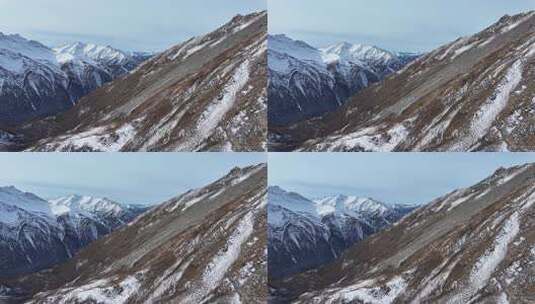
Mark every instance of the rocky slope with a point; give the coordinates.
(474, 94)
(36, 81)
(206, 94)
(36, 234)
(305, 82)
(304, 234)
(473, 245)
(205, 246)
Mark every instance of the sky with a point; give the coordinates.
(412, 25)
(414, 178)
(129, 178)
(142, 25)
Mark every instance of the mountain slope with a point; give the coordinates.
(305, 82)
(208, 93)
(204, 246)
(36, 81)
(36, 234)
(473, 245)
(474, 94)
(304, 234)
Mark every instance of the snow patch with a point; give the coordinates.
(217, 269)
(491, 108)
(373, 295)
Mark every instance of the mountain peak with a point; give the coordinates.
(91, 53)
(360, 53)
(290, 200)
(27, 201)
(345, 204)
(82, 203)
(9, 188)
(298, 49)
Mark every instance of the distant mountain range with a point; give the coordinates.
(36, 234)
(473, 94)
(306, 82)
(37, 81)
(304, 234)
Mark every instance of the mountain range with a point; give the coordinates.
(205, 94)
(207, 245)
(473, 94)
(37, 81)
(304, 234)
(36, 234)
(473, 245)
(306, 82)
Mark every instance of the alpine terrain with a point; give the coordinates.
(205, 94)
(474, 94)
(36, 234)
(207, 245)
(305, 234)
(474, 245)
(37, 81)
(305, 82)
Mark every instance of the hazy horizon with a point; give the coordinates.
(413, 178)
(128, 178)
(129, 25)
(415, 26)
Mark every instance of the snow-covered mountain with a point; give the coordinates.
(37, 81)
(305, 81)
(205, 94)
(110, 213)
(473, 245)
(90, 66)
(207, 245)
(304, 234)
(35, 233)
(473, 94)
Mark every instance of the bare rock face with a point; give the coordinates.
(474, 94)
(207, 245)
(473, 245)
(206, 94)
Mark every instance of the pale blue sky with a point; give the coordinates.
(411, 25)
(390, 177)
(149, 25)
(140, 178)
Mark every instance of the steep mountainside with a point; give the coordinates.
(208, 93)
(473, 245)
(204, 246)
(474, 94)
(305, 82)
(36, 81)
(35, 234)
(304, 234)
